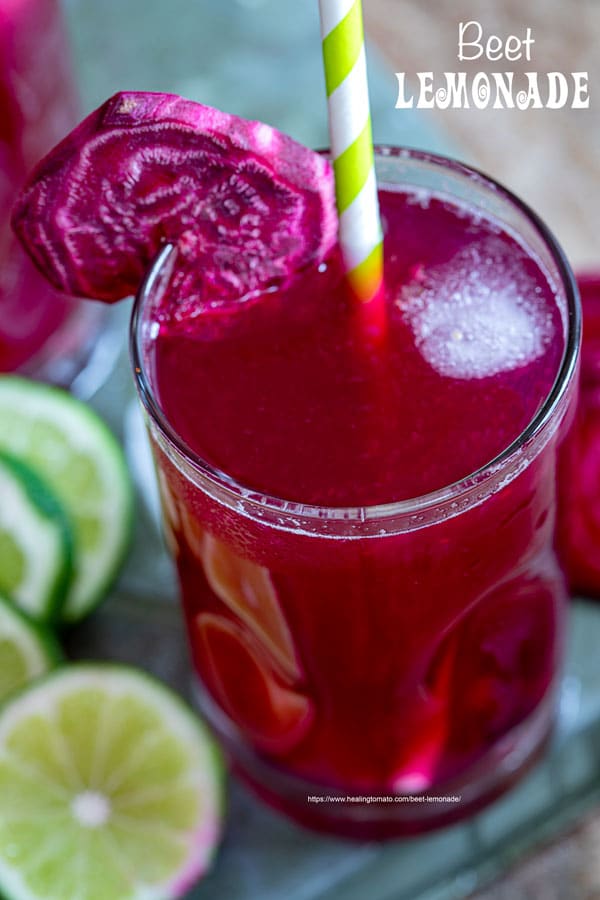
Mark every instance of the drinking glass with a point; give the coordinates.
(384, 670)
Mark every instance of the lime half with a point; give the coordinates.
(35, 542)
(26, 650)
(110, 789)
(79, 458)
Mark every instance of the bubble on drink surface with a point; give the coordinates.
(479, 314)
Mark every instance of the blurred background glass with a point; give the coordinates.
(41, 331)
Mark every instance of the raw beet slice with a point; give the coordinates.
(246, 205)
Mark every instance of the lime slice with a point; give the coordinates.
(77, 455)
(110, 789)
(26, 650)
(35, 542)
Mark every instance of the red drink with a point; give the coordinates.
(347, 647)
(37, 106)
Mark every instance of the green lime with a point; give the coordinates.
(26, 650)
(72, 449)
(35, 542)
(110, 789)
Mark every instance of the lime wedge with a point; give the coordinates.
(66, 443)
(35, 542)
(110, 789)
(26, 650)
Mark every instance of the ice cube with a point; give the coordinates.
(478, 314)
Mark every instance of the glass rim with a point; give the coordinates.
(394, 508)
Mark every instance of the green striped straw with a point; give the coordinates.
(351, 139)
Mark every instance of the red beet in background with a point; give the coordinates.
(579, 523)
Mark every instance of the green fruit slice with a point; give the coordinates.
(35, 542)
(76, 454)
(26, 650)
(110, 789)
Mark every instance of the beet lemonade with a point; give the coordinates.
(348, 648)
(360, 497)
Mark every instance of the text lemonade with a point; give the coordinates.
(500, 90)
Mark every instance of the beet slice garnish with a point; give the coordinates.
(246, 205)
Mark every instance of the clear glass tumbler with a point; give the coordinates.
(382, 670)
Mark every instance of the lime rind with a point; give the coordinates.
(37, 525)
(125, 803)
(27, 650)
(77, 454)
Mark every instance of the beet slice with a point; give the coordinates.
(246, 205)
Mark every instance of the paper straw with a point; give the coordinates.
(351, 139)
